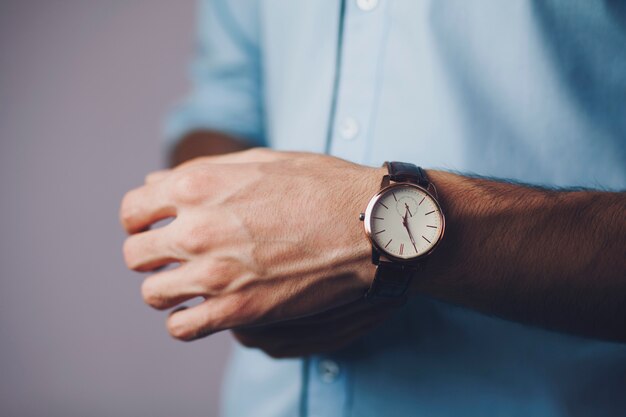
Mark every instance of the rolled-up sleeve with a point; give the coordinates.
(225, 73)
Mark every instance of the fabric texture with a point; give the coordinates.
(533, 91)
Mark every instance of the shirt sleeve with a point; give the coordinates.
(225, 73)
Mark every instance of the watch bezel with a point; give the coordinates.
(367, 222)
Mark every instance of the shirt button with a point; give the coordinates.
(328, 370)
(367, 5)
(349, 128)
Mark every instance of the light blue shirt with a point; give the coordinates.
(527, 90)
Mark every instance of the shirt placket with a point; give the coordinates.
(363, 38)
(327, 387)
(364, 35)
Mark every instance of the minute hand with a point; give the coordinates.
(405, 223)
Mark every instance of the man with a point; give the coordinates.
(521, 307)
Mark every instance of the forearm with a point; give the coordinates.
(555, 259)
(205, 143)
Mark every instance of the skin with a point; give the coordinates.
(317, 333)
(272, 242)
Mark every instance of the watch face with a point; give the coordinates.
(404, 221)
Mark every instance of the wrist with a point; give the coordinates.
(369, 185)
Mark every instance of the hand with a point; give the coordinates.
(324, 332)
(262, 236)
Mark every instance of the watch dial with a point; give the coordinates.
(405, 222)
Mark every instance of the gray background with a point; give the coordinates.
(84, 87)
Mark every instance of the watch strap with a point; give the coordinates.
(390, 281)
(406, 172)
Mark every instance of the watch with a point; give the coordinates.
(404, 223)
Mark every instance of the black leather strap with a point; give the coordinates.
(405, 172)
(391, 281)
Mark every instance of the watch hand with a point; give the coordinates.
(407, 209)
(405, 223)
(412, 239)
(404, 219)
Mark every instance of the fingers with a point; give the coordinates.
(148, 250)
(169, 288)
(144, 206)
(225, 312)
(165, 189)
(211, 316)
(193, 279)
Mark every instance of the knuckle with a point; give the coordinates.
(229, 316)
(151, 294)
(194, 240)
(129, 252)
(236, 307)
(177, 330)
(238, 310)
(250, 308)
(127, 212)
(217, 277)
(188, 186)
